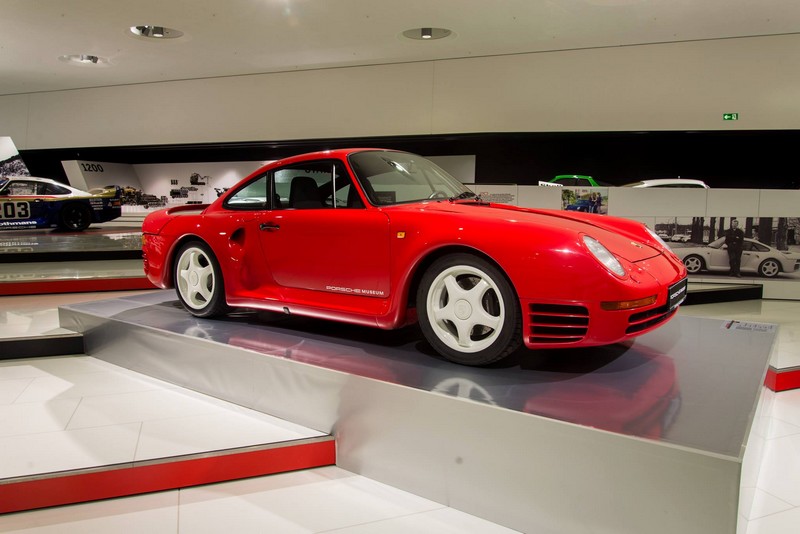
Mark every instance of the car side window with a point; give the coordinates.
(53, 189)
(253, 195)
(22, 188)
(315, 185)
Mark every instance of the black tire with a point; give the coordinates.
(484, 325)
(75, 217)
(694, 263)
(198, 280)
(769, 268)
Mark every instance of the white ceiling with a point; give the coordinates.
(235, 37)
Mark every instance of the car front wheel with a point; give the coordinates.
(694, 264)
(468, 311)
(198, 281)
(769, 268)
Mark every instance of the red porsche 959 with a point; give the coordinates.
(386, 238)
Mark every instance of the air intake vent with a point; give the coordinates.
(648, 319)
(556, 323)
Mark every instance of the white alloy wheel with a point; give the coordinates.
(466, 308)
(769, 268)
(694, 264)
(198, 281)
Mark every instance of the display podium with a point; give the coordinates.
(662, 434)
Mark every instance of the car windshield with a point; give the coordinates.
(399, 177)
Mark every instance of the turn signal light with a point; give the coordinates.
(628, 304)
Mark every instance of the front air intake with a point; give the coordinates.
(641, 321)
(558, 323)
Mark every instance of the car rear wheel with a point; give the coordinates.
(694, 264)
(769, 268)
(468, 311)
(198, 281)
(75, 217)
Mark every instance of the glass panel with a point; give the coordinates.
(251, 196)
(397, 177)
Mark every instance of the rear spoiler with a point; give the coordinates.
(187, 207)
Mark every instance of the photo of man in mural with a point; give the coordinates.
(734, 239)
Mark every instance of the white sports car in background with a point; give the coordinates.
(670, 182)
(756, 258)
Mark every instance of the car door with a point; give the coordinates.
(752, 254)
(716, 256)
(322, 245)
(19, 205)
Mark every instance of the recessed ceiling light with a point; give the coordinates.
(84, 59)
(427, 34)
(156, 32)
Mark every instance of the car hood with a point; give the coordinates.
(625, 238)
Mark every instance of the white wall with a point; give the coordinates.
(156, 177)
(88, 175)
(680, 86)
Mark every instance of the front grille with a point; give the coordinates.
(648, 319)
(558, 323)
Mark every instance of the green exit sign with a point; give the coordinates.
(730, 116)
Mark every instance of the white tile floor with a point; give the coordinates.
(68, 403)
(94, 413)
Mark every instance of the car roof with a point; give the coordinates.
(45, 180)
(669, 182)
(338, 153)
(35, 178)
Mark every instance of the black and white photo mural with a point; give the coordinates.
(749, 247)
(11, 163)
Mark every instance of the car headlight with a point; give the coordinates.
(657, 238)
(602, 255)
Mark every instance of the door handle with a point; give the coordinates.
(268, 227)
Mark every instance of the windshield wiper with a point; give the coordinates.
(465, 195)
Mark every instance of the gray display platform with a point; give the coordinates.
(662, 434)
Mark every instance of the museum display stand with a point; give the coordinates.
(658, 435)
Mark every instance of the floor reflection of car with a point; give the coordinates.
(635, 391)
(639, 398)
(756, 258)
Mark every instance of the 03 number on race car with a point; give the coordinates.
(15, 210)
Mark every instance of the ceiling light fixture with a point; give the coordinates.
(427, 34)
(155, 32)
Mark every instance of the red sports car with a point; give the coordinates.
(386, 238)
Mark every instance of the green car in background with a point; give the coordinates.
(575, 180)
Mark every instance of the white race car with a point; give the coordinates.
(670, 182)
(30, 202)
(756, 258)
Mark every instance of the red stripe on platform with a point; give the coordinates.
(74, 286)
(782, 380)
(133, 480)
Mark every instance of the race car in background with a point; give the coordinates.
(30, 202)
